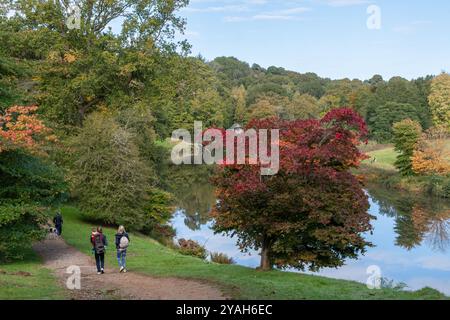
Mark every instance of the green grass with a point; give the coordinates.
(27, 279)
(146, 256)
(384, 159)
(382, 171)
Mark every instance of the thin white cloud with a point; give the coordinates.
(284, 14)
(235, 19)
(259, 17)
(291, 11)
(421, 22)
(346, 3)
(256, 2)
(228, 8)
(411, 27)
(225, 6)
(438, 262)
(272, 17)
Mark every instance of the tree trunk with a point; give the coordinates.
(266, 263)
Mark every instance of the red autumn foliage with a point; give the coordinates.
(20, 128)
(313, 212)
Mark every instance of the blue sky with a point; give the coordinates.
(329, 37)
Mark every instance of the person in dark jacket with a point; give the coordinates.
(99, 242)
(122, 241)
(58, 221)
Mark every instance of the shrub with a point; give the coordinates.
(19, 227)
(221, 258)
(192, 248)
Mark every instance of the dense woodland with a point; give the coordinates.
(109, 100)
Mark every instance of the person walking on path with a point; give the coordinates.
(122, 242)
(58, 221)
(99, 242)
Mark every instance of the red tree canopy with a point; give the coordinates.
(314, 211)
(20, 128)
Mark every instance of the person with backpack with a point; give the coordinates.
(94, 231)
(99, 242)
(58, 221)
(122, 242)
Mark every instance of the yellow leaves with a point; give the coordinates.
(127, 69)
(103, 108)
(54, 56)
(69, 57)
(429, 162)
(59, 57)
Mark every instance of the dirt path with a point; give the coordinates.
(58, 256)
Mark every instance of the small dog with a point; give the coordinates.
(53, 234)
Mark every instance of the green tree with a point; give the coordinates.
(239, 96)
(329, 102)
(439, 100)
(231, 71)
(108, 177)
(29, 181)
(79, 71)
(406, 135)
(394, 101)
(310, 83)
(267, 106)
(29, 185)
(383, 118)
(302, 106)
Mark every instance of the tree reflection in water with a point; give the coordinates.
(417, 220)
(193, 192)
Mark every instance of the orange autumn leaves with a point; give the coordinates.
(20, 128)
(432, 155)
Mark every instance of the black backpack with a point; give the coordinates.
(98, 243)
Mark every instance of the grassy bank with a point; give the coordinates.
(149, 257)
(27, 279)
(380, 169)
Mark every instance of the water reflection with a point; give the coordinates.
(417, 220)
(193, 192)
(411, 235)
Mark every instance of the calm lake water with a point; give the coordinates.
(411, 236)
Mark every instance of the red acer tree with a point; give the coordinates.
(312, 213)
(20, 128)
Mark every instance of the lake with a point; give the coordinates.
(411, 235)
